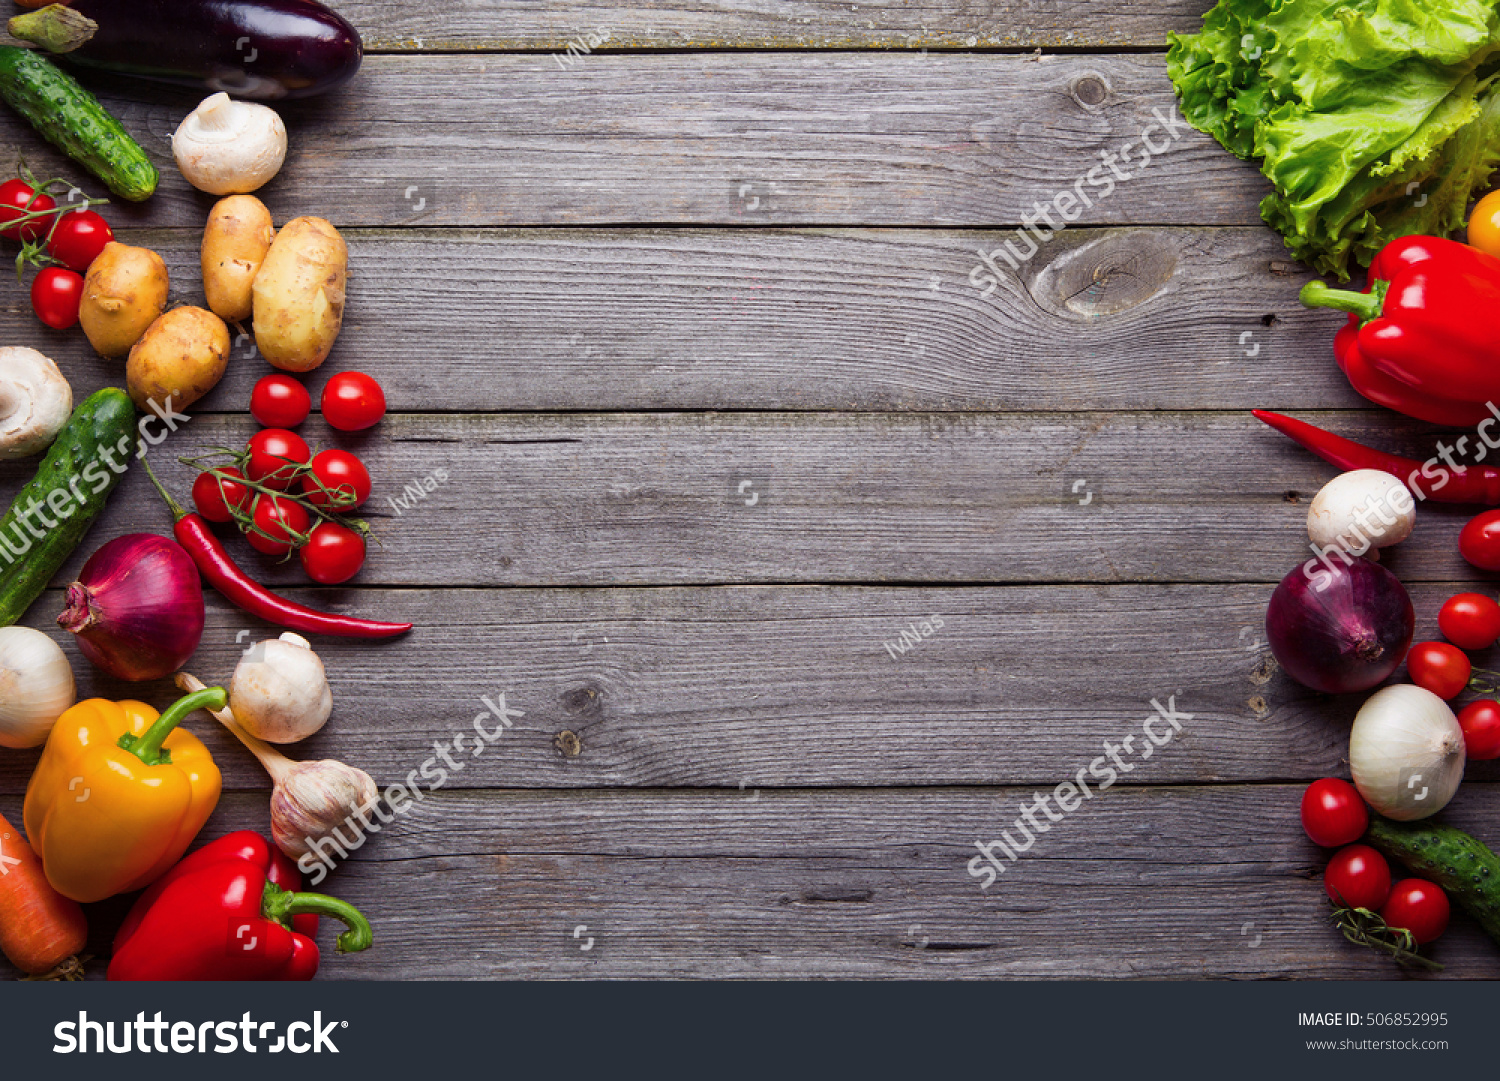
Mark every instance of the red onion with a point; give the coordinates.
(137, 607)
(1347, 636)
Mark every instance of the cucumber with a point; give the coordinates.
(100, 431)
(1459, 863)
(71, 119)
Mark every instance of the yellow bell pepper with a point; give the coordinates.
(119, 794)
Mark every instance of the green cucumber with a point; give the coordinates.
(86, 461)
(1461, 864)
(71, 119)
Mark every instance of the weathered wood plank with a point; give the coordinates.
(389, 25)
(1168, 883)
(1165, 318)
(747, 688)
(673, 498)
(760, 139)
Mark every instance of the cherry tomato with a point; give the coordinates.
(209, 497)
(55, 296)
(342, 476)
(78, 238)
(1333, 813)
(1470, 620)
(333, 554)
(16, 198)
(279, 401)
(1439, 667)
(1479, 542)
(274, 455)
(1418, 906)
(286, 523)
(1358, 877)
(1484, 224)
(1481, 724)
(352, 400)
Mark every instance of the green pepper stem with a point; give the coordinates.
(280, 905)
(148, 747)
(1316, 294)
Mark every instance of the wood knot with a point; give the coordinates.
(568, 743)
(582, 701)
(1090, 91)
(1107, 275)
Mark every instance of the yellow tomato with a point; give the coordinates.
(1484, 224)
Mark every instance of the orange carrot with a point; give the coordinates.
(41, 931)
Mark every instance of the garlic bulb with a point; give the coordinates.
(1360, 510)
(313, 798)
(280, 692)
(228, 147)
(36, 686)
(1406, 752)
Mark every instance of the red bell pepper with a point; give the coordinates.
(233, 910)
(1420, 339)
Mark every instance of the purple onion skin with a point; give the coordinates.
(137, 607)
(1346, 637)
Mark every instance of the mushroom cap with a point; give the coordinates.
(35, 401)
(228, 147)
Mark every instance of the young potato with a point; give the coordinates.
(123, 293)
(299, 295)
(235, 242)
(181, 356)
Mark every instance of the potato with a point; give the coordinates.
(299, 295)
(181, 356)
(235, 241)
(123, 293)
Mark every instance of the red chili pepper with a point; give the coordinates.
(1420, 338)
(233, 910)
(221, 572)
(1465, 484)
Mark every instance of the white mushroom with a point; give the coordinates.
(35, 401)
(228, 147)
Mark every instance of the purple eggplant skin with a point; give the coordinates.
(264, 50)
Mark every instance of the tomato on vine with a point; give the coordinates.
(18, 198)
(338, 481)
(1358, 877)
(1333, 813)
(1418, 906)
(215, 491)
(333, 554)
(276, 456)
(279, 525)
(78, 238)
(55, 297)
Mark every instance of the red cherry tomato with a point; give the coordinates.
(1470, 620)
(1418, 906)
(345, 481)
(16, 198)
(279, 401)
(352, 400)
(1438, 667)
(55, 296)
(1481, 724)
(1479, 542)
(280, 525)
(209, 497)
(78, 238)
(275, 454)
(1358, 877)
(333, 554)
(1333, 813)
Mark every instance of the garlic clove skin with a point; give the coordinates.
(228, 147)
(280, 692)
(315, 798)
(36, 686)
(35, 402)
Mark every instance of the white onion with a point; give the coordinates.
(1387, 509)
(36, 686)
(1406, 752)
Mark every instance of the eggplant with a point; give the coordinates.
(259, 49)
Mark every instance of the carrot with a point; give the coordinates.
(41, 931)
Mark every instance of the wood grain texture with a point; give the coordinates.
(592, 319)
(744, 688)
(1161, 883)
(657, 498)
(389, 25)
(762, 139)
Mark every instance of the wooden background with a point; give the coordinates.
(734, 245)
